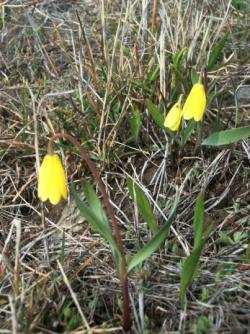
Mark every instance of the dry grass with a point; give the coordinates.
(84, 67)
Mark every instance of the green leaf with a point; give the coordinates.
(194, 76)
(189, 269)
(198, 219)
(227, 136)
(94, 202)
(155, 114)
(155, 242)
(187, 132)
(190, 265)
(135, 124)
(239, 4)
(239, 235)
(98, 224)
(225, 238)
(152, 76)
(216, 52)
(143, 204)
(179, 57)
(212, 96)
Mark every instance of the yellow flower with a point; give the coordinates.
(173, 118)
(195, 104)
(52, 184)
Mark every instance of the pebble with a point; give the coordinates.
(243, 93)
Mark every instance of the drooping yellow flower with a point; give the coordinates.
(52, 184)
(173, 118)
(195, 104)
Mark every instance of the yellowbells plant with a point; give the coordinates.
(52, 184)
(173, 118)
(195, 104)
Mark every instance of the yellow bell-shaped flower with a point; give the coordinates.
(195, 104)
(52, 184)
(173, 118)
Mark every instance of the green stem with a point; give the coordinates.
(199, 136)
(115, 226)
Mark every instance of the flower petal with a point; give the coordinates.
(52, 183)
(43, 185)
(173, 118)
(195, 104)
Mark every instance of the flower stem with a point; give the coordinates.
(115, 226)
(202, 75)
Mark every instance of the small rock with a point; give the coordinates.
(243, 93)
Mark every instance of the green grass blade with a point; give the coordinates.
(155, 242)
(227, 136)
(198, 219)
(135, 124)
(143, 205)
(179, 58)
(189, 269)
(155, 113)
(216, 53)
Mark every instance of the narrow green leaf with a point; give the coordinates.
(198, 219)
(225, 238)
(194, 76)
(187, 132)
(135, 124)
(155, 114)
(190, 265)
(179, 57)
(227, 136)
(155, 242)
(216, 52)
(152, 76)
(189, 269)
(94, 202)
(211, 97)
(143, 204)
(97, 224)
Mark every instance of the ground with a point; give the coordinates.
(89, 68)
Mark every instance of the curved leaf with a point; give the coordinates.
(155, 113)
